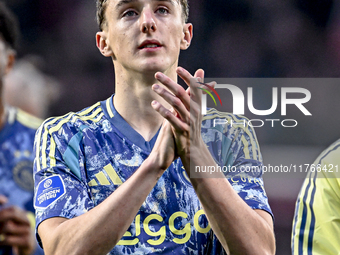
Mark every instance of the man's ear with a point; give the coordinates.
(10, 61)
(102, 45)
(187, 37)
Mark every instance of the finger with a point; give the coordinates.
(169, 116)
(188, 91)
(199, 74)
(185, 75)
(192, 82)
(174, 101)
(3, 199)
(209, 86)
(175, 88)
(188, 78)
(12, 228)
(17, 241)
(15, 214)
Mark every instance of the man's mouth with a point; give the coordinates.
(150, 44)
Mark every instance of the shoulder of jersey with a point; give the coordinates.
(24, 118)
(335, 145)
(93, 113)
(212, 113)
(332, 151)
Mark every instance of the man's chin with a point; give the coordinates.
(156, 66)
(152, 68)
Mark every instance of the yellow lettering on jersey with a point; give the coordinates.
(185, 231)
(196, 224)
(232, 179)
(257, 181)
(186, 176)
(128, 242)
(161, 232)
(113, 174)
(127, 233)
(137, 223)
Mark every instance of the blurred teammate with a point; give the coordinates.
(113, 178)
(316, 225)
(39, 89)
(17, 131)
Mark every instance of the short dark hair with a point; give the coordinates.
(101, 7)
(9, 30)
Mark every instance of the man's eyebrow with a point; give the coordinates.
(122, 2)
(170, 1)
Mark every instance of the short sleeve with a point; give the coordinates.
(246, 171)
(60, 182)
(235, 149)
(316, 227)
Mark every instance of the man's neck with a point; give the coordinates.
(132, 100)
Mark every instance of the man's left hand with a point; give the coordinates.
(15, 229)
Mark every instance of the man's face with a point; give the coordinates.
(7, 58)
(146, 35)
(3, 58)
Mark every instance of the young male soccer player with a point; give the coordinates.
(17, 131)
(113, 178)
(316, 226)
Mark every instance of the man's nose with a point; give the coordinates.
(148, 23)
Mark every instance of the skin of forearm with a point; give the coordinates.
(240, 229)
(101, 228)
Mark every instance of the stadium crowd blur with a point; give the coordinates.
(232, 38)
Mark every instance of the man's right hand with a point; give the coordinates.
(163, 152)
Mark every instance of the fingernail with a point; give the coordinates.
(155, 86)
(159, 75)
(154, 102)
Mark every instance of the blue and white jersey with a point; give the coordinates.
(83, 157)
(16, 160)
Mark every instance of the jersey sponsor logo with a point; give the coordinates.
(23, 175)
(49, 191)
(158, 237)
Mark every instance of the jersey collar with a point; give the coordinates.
(124, 128)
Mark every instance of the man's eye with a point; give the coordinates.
(162, 10)
(129, 13)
